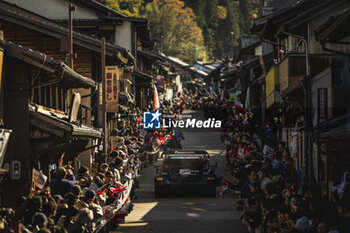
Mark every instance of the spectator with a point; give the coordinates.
(60, 185)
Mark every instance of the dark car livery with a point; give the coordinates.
(185, 169)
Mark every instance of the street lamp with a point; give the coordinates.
(306, 54)
(306, 88)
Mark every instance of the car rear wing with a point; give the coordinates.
(194, 152)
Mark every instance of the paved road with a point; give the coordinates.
(186, 214)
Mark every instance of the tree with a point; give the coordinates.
(174, 28)
(246, 19)
(219, 20)
(219, 24)
(128, 7)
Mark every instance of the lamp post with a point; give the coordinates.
(306, 55)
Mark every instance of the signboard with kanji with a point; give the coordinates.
(112, 88)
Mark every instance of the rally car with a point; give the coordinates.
(185, 170)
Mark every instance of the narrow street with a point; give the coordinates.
(88, 92)
(186, 214)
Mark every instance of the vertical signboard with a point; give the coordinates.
(112, 88)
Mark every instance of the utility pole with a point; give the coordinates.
(71, 8)
(103, 77)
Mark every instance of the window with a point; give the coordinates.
(52, 96)
(322, 104)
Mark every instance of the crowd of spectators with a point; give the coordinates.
(273, 198)
(81, 199)
(96, 199)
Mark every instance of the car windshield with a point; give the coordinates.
(183, 162)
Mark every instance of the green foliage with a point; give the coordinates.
(174, 28)
(128, 7)
(224, 22)
(220, 22)
(186, 28)
(246, 18)
(222, 12)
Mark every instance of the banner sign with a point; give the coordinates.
(232, 96)
(111, 88)
(155, 98)
(169, 94)
(4, 138)
(39, 179)
(119, 205)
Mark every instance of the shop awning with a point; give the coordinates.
(341, 132)
(143, 76)
(292, 88)
(125, 98)
(57, 125)
(62, 73)
(85, 131)
(335, 28)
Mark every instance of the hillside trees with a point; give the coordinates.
(190, 29)
(128, 7)
(175, 30)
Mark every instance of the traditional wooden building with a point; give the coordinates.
(311, 63)
(47, 121)
(41, 134)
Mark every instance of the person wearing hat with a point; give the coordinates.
(302, 224)
(88, 202)
(39, 220)
(104, 168)
(116, 168)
